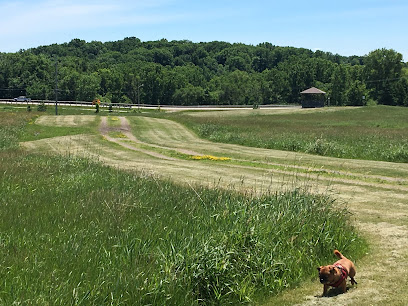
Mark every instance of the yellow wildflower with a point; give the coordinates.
(209, 157)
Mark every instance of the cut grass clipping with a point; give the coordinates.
(74, 232)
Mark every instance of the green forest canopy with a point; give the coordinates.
(207, 73)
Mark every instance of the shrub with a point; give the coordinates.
(42, 107)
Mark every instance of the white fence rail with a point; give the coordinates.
(132, 106)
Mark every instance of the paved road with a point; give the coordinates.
(145, 106)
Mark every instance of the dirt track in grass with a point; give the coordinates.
(375, 192)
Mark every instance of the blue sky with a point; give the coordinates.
(344, 27)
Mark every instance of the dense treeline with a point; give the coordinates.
(187, 73)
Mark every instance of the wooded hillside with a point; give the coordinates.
(212, 73)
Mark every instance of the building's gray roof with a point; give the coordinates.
(313, 90)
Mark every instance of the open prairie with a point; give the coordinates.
(375, 192)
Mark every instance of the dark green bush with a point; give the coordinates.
(42, 107)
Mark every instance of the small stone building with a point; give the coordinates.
(313, 97)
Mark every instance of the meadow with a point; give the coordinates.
(368, 133)
(75, 231)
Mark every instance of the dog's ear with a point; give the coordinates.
(318, 269)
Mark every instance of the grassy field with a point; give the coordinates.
(371, 133)
(164, 168)
(76, 232)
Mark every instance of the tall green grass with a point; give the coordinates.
(76, 232)
(12, 125)
(370, 133)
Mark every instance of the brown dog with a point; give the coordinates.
(335, 275)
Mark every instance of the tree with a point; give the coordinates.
(40, 91)
(68, 82)
(190, 95)
(275, 89)
(237, 63)
(151, 77)
(235, 88)
(383, 66)
(162, 57)
(340, 83)
(112, 83)
(133, 87)
(263, 59)
(400, 92)
(214, 73)
(88, 87)
(357, 93)
(300, 74)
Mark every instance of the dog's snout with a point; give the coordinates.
(323, 279)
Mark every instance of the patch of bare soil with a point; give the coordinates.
(376, 193)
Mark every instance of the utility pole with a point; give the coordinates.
(56, 85)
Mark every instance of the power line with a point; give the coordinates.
(382, 80)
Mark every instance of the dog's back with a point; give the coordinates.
(347, 264)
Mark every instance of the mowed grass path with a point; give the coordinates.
(376, 192)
